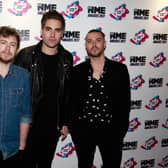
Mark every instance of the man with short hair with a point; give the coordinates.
(15, 101)
(99, 104)
(49, 64)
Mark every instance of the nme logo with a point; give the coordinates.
(72, 10)
(20, 7)
(154, 103)
(139, 37)
(71, 36)
(166, 103)
(43, 7)
(136, 104)
(164, 162)
(133, 125)
(24, 34)
(155, 82)
(118, 57)
(130, 145)
(130, 163)
(151, 124)
(148, 163)
(137, 82)
(161, 15)
(158, 60)
(66, 150)
(116, 37)
(164, 143)
(94, 11)
(141, 14)
(120, 12)
(160, 38)
(165, 125)
(150, 143)
(137, 60)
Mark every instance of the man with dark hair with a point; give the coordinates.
(99, 104)
(49, 64)
(15, 101)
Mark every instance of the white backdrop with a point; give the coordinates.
(137, 35)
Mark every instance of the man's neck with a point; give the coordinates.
(4, 69)
(97, 62)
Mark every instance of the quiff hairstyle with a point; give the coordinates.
(53, 15)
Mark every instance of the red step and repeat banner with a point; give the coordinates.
(137, 35)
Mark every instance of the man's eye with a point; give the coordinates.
(13, 45)
(2, 42)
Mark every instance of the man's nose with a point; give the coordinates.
(52, 33)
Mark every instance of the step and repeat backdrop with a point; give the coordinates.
(137, 35)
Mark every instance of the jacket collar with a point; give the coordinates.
(39, 47)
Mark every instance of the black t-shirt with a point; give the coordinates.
(47, 113)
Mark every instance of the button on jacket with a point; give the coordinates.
(15, 108)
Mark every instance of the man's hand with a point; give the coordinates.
(64, 132)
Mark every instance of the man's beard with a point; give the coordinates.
(94, 55)
(7, 61)
(98, 54)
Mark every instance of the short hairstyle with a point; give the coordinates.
(52, 15)
(6, 31)
(97, 31)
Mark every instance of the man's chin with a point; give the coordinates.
(94, 55)
(52, 45)
(6, 61)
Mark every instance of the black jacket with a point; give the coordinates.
(117, 87)
(30, 58)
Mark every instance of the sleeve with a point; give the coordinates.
(125, 99)
(26, 102)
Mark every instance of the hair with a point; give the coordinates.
(97, 31)
(52, 15)
(6, 31)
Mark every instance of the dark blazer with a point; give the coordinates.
(117, 87)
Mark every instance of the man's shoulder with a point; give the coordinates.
(20, 70)
(115, 64)
(81, 67)
(28, 49)
(65, 51)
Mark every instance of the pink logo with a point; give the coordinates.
(20, 7)
(137, 82)
(72, 10)
(165, 125)
(154, 103)
(66, 150)
(150, 143)
(118, 57)
(37, 38)
(133, 125)
(158, 60)
(75, 57)
(164, 162)
(161, 15)
(130, 163)
(93, 166)
(120, 12)
(139, 37)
